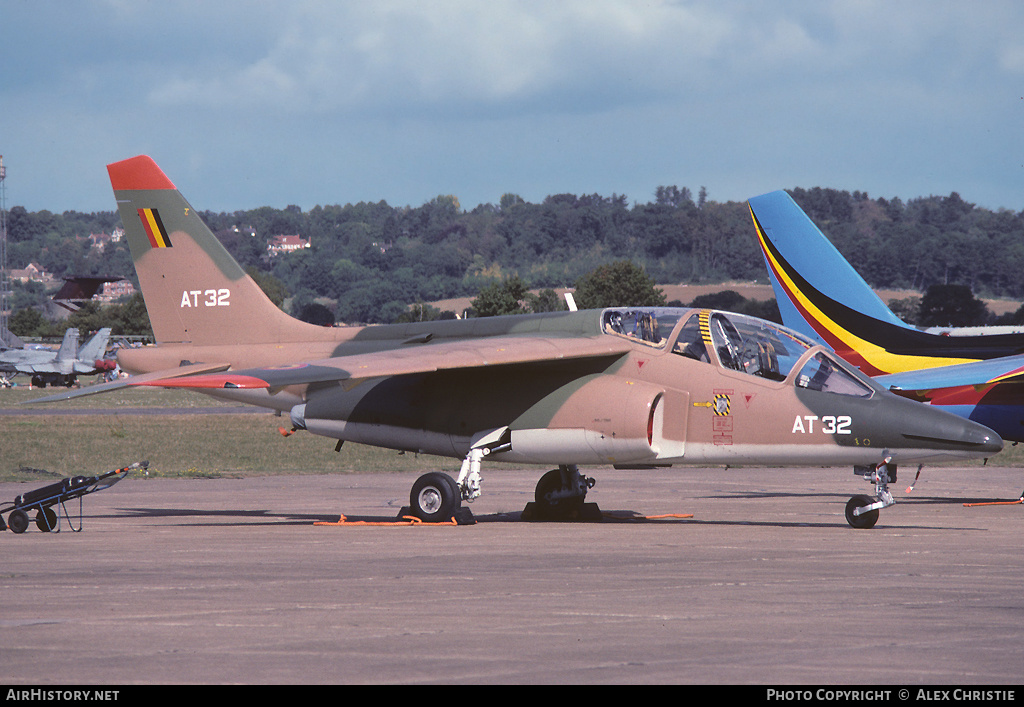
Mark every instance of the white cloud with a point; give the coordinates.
(372, 55)
(1011, 59)
(402, 100)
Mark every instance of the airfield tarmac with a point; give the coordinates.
(221, 581)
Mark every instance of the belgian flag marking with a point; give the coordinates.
(154, 228)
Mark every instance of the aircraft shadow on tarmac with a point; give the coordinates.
(230, 517)
(267, 517)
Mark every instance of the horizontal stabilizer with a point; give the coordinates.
(997, 370)
(192, 369)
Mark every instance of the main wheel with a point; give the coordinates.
(435, 497)
(18, 521)
(46, 520)
(552, 483)
(865, 520)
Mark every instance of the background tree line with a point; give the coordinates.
(369, 262)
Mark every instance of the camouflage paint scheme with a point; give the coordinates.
(624, 386)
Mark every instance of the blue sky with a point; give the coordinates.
(247, 104)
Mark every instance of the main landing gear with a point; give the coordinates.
(560, 495)
(862, 511)
(437, 498)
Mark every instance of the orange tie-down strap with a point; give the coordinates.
(996, 503)
(639, 518)
(413, 520)
(405, 520)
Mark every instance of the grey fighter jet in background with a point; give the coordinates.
(60, 367)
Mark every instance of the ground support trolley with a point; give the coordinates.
(49, 501)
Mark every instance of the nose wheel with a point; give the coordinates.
(857, 516)
(862, 511)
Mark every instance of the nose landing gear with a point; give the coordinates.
(862, 511)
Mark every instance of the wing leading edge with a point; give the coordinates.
(425, 358)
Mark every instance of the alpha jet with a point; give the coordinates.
(627, 386)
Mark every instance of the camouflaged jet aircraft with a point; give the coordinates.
(628, 386)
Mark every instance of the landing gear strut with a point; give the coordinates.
(862, 511)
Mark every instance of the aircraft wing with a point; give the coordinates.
(415, 358)
(977, 373)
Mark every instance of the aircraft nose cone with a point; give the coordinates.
(987, 440)
(939, 428)
(981, 438)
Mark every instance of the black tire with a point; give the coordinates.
(46, 520)
(18, 521)
(551, 482)
(456, 490)
(867, 520)
(434, 498)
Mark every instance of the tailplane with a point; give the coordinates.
(195, 292)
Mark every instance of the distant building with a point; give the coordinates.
(33, 273)
(115, 290)
(99, 241)
(286, 244)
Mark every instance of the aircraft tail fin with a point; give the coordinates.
(10, 340)
(820, 294)
(95, 347)
(807, 271)
(195, 292)
(69, 346)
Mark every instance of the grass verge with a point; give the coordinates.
(187, 444)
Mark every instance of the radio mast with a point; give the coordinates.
(5, 282)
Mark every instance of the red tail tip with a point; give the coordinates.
(138, 173)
